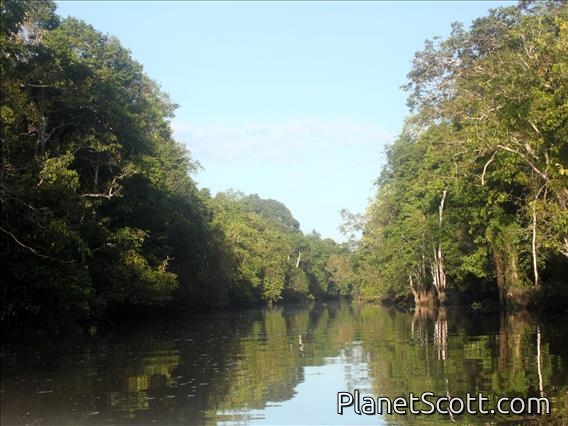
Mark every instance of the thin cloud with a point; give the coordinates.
(276, 143)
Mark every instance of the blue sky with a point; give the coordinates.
(290, 100)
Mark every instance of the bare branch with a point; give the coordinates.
(534, 127)
(41, 86)
(530, 163)
(43, 256)
(103, 247)
(441, 207)
(97, 195)
(485, 168)
(108, 194)
(52, 131)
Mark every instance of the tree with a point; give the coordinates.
(478, 176)
(96, 197)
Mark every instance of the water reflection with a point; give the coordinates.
(284, 365)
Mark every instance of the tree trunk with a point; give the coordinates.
(534, 242)
(500, 271)
(42, 134)
(438, 272)
(509, 282)
(439, 276)
(534, 248)
(96, 177)
(424, 297)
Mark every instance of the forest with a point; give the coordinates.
(100, 217)
(472, 202)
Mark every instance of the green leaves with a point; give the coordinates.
(490, 129)
(56, 173)
(97, 208)
(272, 258)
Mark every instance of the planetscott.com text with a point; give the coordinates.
(428, 403)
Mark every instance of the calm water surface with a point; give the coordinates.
(285, 365)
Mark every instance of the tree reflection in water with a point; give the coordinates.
(230, 366)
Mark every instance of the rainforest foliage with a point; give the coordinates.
(473, 200)
(99, 214)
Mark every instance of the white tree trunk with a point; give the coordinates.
(534, 248)
(438, 273)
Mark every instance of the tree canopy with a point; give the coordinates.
(99, 213)
(473, 198)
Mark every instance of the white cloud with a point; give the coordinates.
(276, 143)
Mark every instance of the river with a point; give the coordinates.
(286, 365)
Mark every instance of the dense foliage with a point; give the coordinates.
(99, 214)
(271, 258)
(474, 196)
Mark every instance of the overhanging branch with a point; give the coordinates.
(32, 250)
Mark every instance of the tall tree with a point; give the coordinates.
(480, 175)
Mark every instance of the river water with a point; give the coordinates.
(285, 365)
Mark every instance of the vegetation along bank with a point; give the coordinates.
(99, 214)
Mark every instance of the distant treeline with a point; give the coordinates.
(473, 201)
(99, 214)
